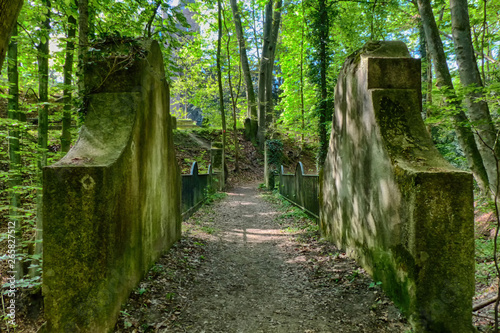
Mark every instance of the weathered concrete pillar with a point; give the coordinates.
(216, 161)
(251, 128)
(216, 156)
(248, 129)
(391, 200)
(112, 204)
(273, 151)
(174, 122)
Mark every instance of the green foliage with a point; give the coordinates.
(374, 284)
(213, 196)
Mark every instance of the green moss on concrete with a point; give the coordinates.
(391, 200)
(112, 204)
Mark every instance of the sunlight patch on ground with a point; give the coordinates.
(256, 235)
(235, 194)
(242, 203)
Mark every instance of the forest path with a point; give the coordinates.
(254, 276)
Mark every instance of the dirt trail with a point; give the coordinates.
(255, 277)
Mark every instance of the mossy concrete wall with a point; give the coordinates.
(390, 199)
(112, 205)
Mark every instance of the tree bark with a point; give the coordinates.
(302, 109)
(43, 127)
(252, 107)
(83, 42)
(221, 96)
(443, 82)
(270, 66)
(68, 74)
(14, 148)
(270, 37)
(234, 97)
(470, 78)
(264, 61)
(9, 10)
(323, 58)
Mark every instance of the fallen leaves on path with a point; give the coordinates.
(249, 264)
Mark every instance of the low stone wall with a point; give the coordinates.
(390, 199)
(301, 189)
(195, 188)
(111, 206)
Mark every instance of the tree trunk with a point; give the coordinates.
(221, 96)
(252, 107)
(263, 71)
(443, 81)
(14, 148)
(323, 58)
(270, 66)
(422, 49)
(43, 126)
(302, 110)
(68, 73)
(234, 97)
(470, 78)
(83, 42)
(9, 10)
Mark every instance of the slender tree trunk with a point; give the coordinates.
(422, 49)
(221, 95)
(429, 82)
(234, 99)
(9, 10)
(471, 78)
(43, 128)
(443, 81)
(252, 106)
(302, 109)
(485, 24)
(68, 73)
(263, 71)
(372, 24)
(149, 31)
(270, 66)
(256, 40)
(323, 56)
(83, 42)
(14, 148)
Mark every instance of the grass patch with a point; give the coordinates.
(292, 218)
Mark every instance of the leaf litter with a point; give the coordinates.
(246, 264)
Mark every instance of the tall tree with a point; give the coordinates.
(83, 42)
(14, 148)
(43, 125)
(443, 81)
(264, 60)
(471, 79)
(302, 104)
(320, 22)
(252, 106)
(270, 65)
(221, 95)
(68, 77)
(270, 37)
(9, 10)
(234, 96)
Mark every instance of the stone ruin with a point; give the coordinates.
(390, 199)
